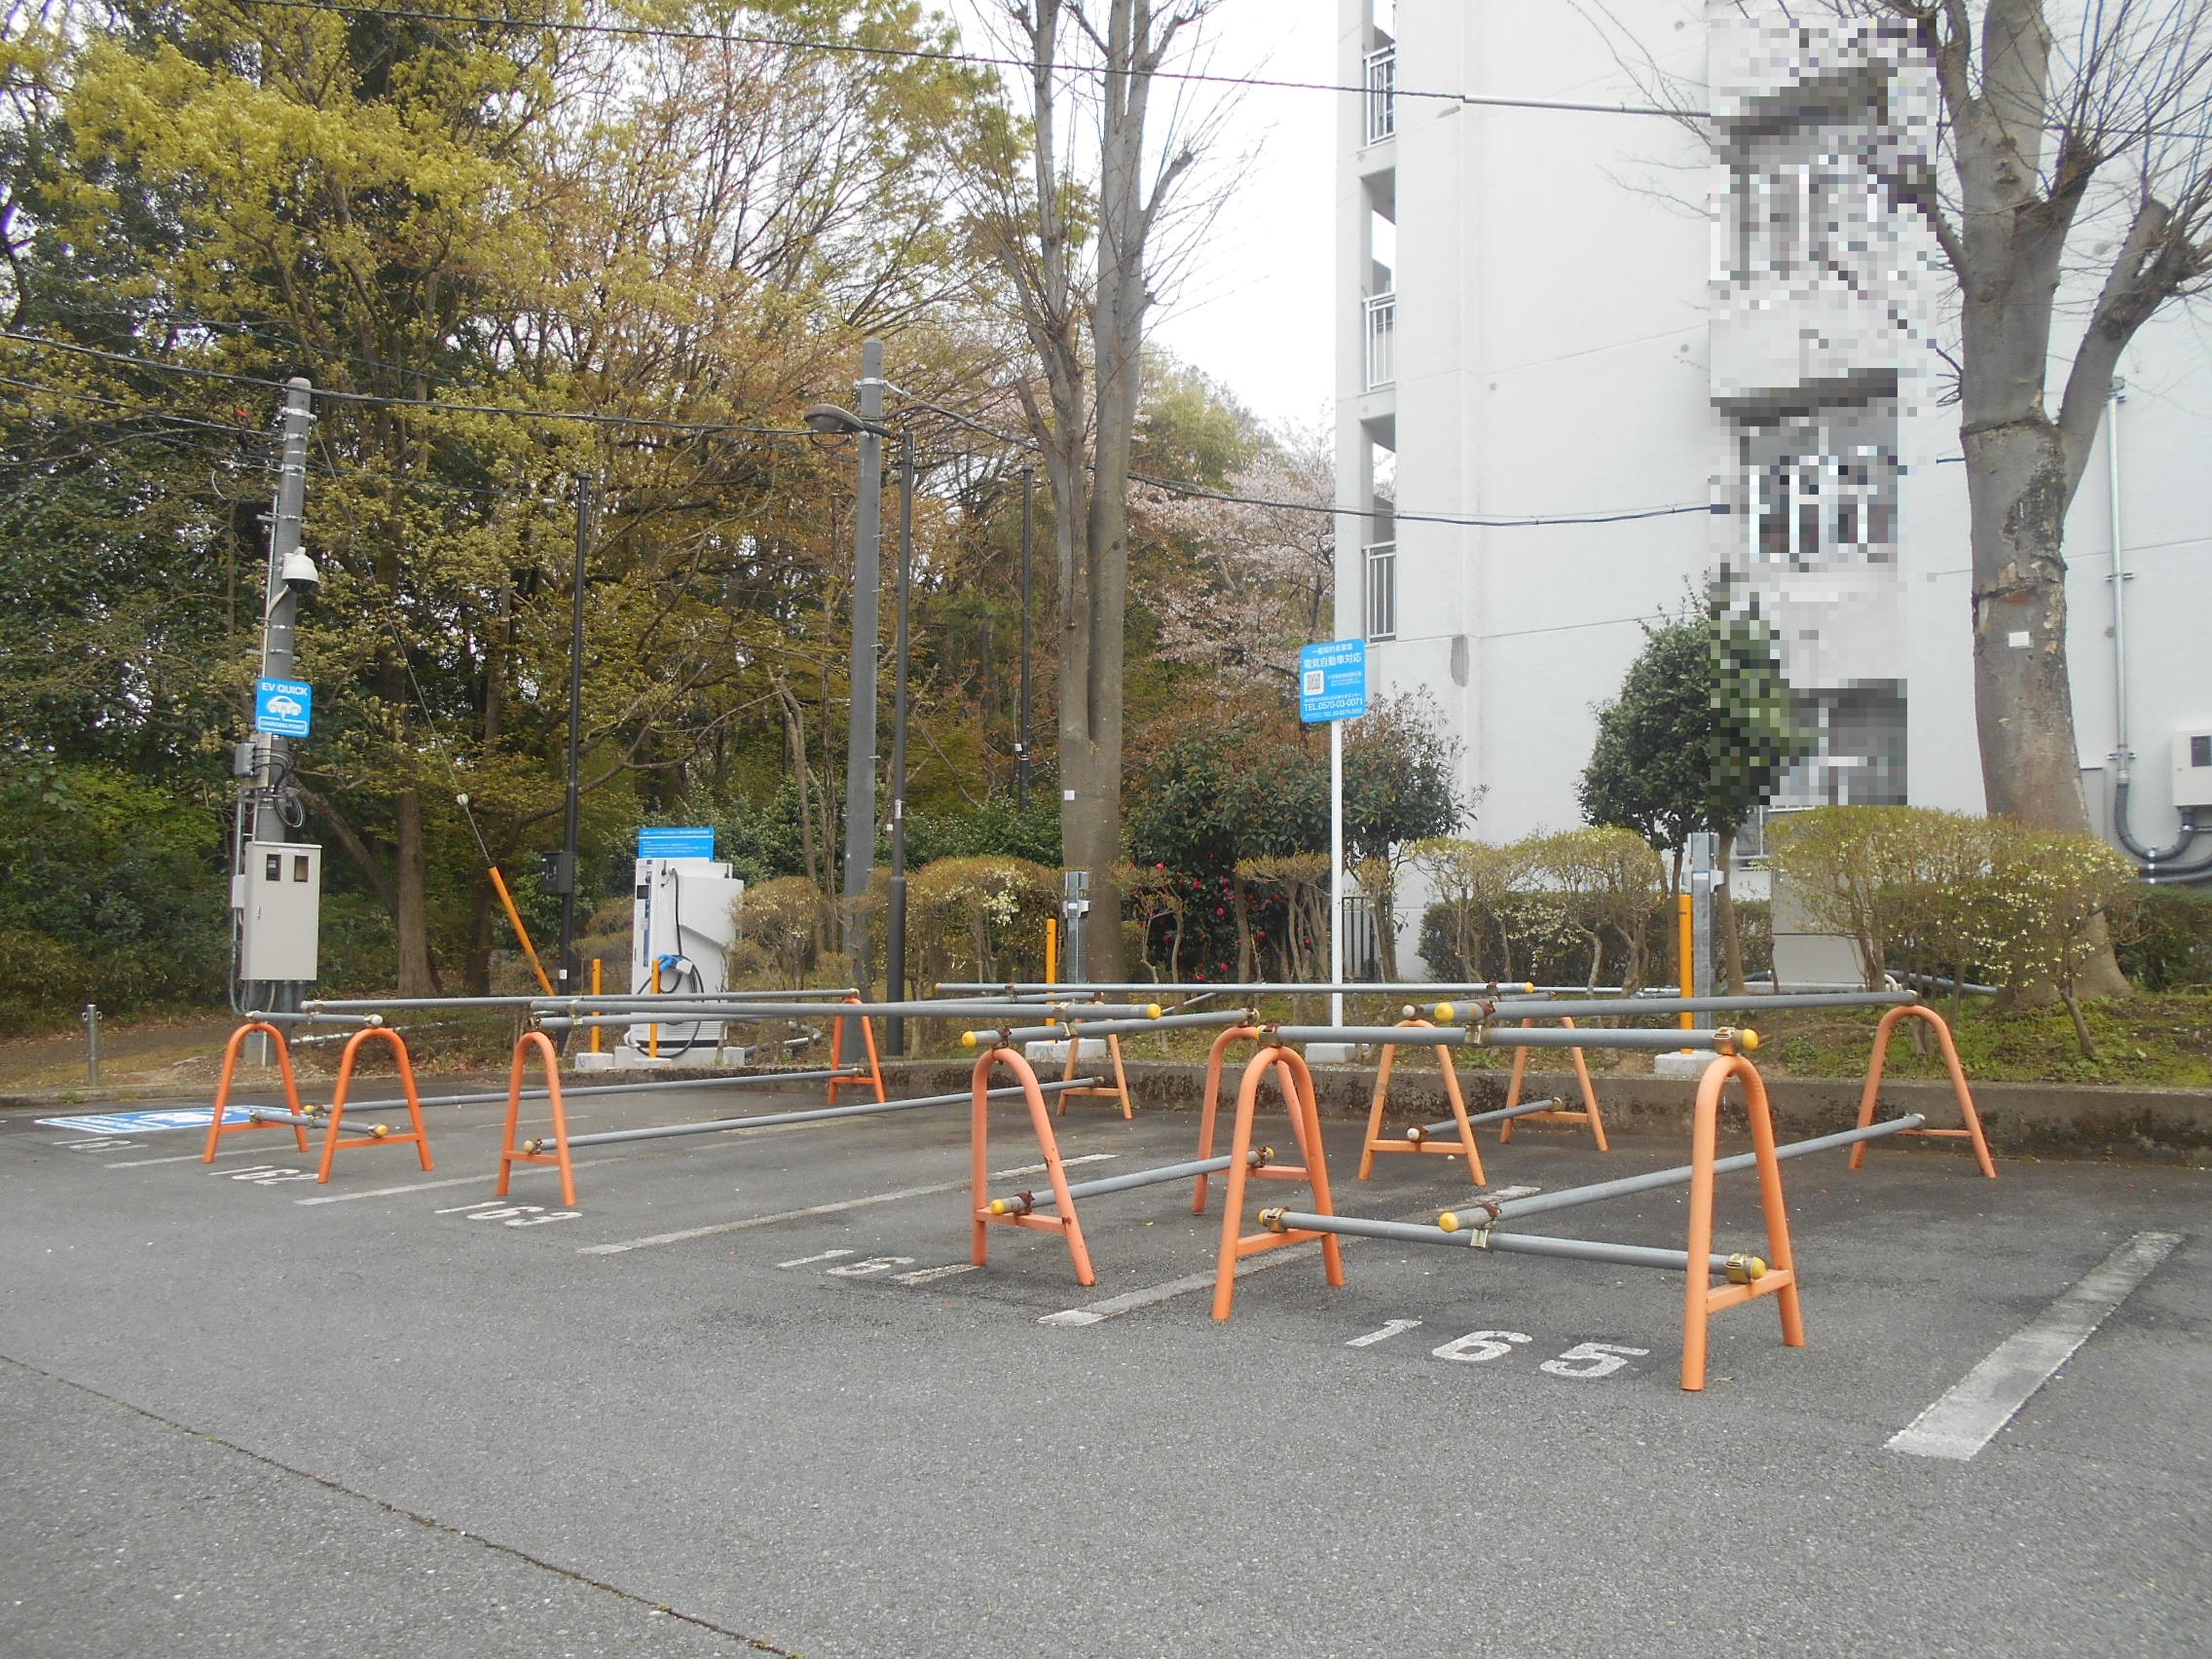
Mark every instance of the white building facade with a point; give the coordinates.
(1718, 356)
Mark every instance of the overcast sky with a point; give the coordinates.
(1254, 313)
(1252, 309)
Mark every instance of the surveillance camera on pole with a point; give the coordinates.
(300, 575)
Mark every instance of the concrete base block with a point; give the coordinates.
(1054, 1050)
(1334, 1054)
(1675, 1063)
(589, 1061)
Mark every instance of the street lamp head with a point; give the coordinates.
(829, 420)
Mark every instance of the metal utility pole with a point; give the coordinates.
(282, 601)
(1029, 540)
(280, 604)
(860, 732)
(895, 927)
(565, 875)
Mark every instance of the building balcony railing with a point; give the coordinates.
(1381, 94)
(1382, 620)
(1381, 340)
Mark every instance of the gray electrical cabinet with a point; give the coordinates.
(279, 898)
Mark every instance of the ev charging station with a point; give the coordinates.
(683, 921)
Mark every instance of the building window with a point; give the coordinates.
(1381, 340)
(1820, 490)
(1381, 94)
(1382, 590)
(1859, 759)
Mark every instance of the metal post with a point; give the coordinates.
(279, 609)
(1705, 853)
(860, 730)
(91, 1018)
(895, 927)
(1075, 906)
(1335, 869)
(570, 808)
(1028, 537)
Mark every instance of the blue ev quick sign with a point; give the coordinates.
(660, 842)
(1332, 680)
(283, 708)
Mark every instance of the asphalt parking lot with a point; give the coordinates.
(749, 1394)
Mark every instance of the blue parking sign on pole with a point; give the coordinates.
(1332, 680)
(283, 708)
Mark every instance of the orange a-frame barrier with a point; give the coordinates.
(1464, 1147)
(1063, 1219)
(378, 1137)
(218, 1129)
(1702, 1298)
(1588, 1115)
(873, 1079)
(510, 1154)
(297, 1117)
(1288, 1066)
(1880, 1059)
(1120, 1089)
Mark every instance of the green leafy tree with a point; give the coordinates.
(1698, 737)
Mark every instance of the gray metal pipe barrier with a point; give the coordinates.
(813, 1115)
(1626, 1006)
(1721, 1040)
(705, 1013)
(1514, 1037)
(618, 1088)
(535, 1000)
(1103, 1028)
(1023, 1204)
(716, 999)
(1475, 1120)
(305, 1017)
(1740, 1268)
(1260, 988)
(1570, 1196)
(314, 1121)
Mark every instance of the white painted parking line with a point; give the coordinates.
(1983, 1401)
(930, 1276)
(1128, 1302)
(824, 1210)
(394, 1192)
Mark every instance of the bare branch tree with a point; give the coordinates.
(1081, 261)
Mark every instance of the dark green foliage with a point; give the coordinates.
(2170, 944)
(111, 891)
(1650, 770)
(1758, 729)
(993, 825)
(1701, 733)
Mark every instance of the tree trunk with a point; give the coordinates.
(417, 976)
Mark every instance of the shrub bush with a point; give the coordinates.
(2170, 945)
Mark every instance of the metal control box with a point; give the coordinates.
(2193, 768)
(279, 898)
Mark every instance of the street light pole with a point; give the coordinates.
(859, 731)
(1022, 739)
(895, 928)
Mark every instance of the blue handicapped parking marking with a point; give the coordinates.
(151, 1122)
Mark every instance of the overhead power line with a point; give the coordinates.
(1173, 486)
(431, 406)
(979, 59)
